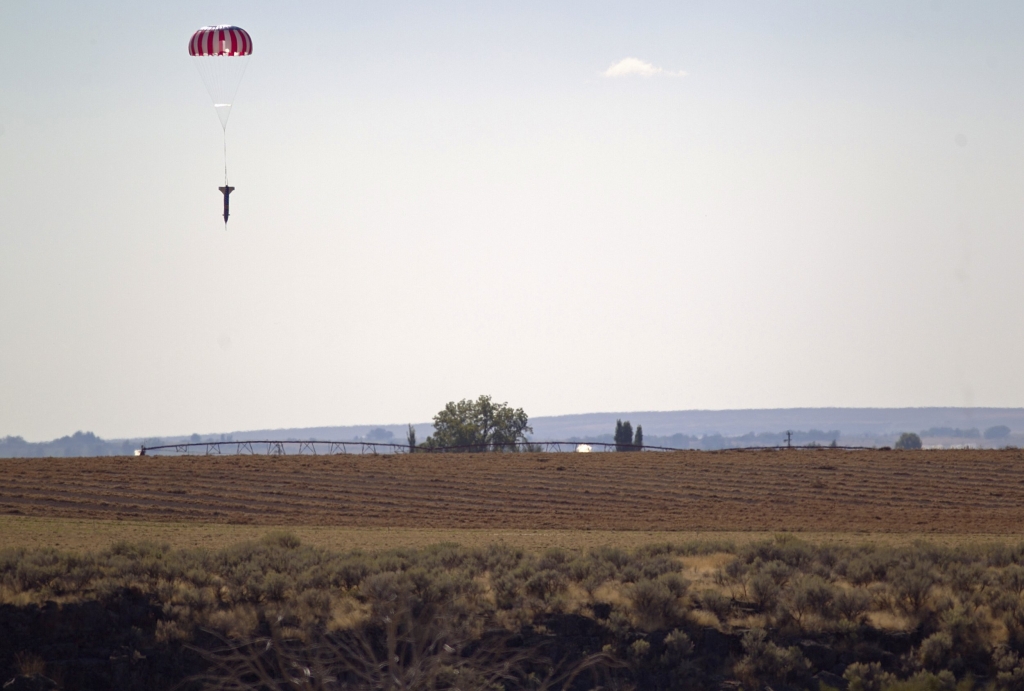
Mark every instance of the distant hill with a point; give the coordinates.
(699, 429)
(849, 421)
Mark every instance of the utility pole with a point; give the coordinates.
(789, 439)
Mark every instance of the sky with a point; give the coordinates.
(570, 206)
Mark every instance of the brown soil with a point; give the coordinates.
(806, 490)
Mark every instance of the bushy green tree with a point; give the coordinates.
(479, 425)
(623, 435)
(908, 440)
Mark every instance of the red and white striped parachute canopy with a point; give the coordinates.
(220, 40)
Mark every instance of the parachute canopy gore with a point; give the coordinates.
(223, 40)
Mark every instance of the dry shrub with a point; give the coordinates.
(926, 681)
(316, 600)
(657, 565)
(1009, 668)
(764, 592)
(1000, 555)
(1012, 579)
(170, 631)
(684, 673)
(236, 623)
(785, 548)
(579, 570)
(638, 651)
(812, 595)
(613, 556)
(868, 677)
(765, 662)
(27, 663)
(677, 646)
(778, 571)
(853, 604)
(545, 584)
(715, 602)
(498, 556)
(859, 571)
(406, 650)
(912, 589)
(382, 591)
(654, 604)
(734, 571)
(506, 590)
(960, 644)
(964, 579)
(935, 651)
(554, 558)
(676, 584)
(1013, 619)
(347, 614)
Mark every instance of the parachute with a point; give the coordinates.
(221, 54)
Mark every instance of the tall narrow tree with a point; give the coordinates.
(638, 439)
(623, 435)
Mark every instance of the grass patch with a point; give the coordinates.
(93, 534)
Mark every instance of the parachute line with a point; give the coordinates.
(221, 75)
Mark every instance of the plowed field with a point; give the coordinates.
(806, 490)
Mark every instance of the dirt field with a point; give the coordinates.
(953, 492)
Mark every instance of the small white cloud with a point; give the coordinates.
(631, 66)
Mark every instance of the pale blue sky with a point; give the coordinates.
(438, 200)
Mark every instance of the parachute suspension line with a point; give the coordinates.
(225, 156)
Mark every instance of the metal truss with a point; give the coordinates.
(291, 447)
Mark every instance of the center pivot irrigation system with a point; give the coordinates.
(332, 448)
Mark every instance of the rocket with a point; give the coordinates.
(227, 193)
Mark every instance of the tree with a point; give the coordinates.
(908, 440)
(479, 425)
(623, 435)
(380, 434)
(410, 437)
(997, 432)
(638, 439)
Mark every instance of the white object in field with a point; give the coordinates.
(138, 452)
(583, 448)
